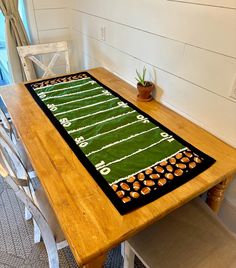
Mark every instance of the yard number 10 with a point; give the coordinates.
(101, 167)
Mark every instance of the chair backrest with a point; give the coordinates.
(8, 127)
(6, 131)
(27, 53)
(10, 134)
(5, 121)
(14, 173)
(13, 170)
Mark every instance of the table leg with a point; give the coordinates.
(215, 195)
(97, 263)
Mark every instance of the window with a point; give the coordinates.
(4, 73)
(22, 11)
(4, 70)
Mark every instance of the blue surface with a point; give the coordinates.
(3, 106)
(4, 70)
(2, 32)
(3, 83)
(4, 76)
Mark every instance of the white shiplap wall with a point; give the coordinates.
(190, 48)
(217, 3)
(49, 22)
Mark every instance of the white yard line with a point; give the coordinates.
(90, 105)
(88, 115)
(137, 152)
(86, 98)
(65, 89)
(154, 164)
(115, 129)
(100, 122)
(120, 141)
(61, 83)
(67, 95)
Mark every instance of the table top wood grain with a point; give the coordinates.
(90, 222)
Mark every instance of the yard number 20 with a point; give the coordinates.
(81, 142)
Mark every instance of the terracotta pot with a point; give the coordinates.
(144, 93)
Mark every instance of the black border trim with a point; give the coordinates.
(120, 206)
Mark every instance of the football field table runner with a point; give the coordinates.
(132, 157)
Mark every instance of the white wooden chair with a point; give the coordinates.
(29, 53)
(190, 237)
(14, 173)
(10, 130)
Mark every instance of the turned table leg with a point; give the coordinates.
(97, 263)
(215, 195)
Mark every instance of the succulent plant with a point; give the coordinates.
(141, 77)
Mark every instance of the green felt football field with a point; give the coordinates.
(118, 140)
(132, 157)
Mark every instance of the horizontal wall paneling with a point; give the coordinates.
(206, 109)
(209, 70)
(190, 24)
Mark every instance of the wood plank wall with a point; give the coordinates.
(188, 46)
(49, 22)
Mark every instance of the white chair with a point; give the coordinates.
(190, 237)
(27, 56)
(14, 173)
(10, 130)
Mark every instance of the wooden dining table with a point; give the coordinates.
(91, 224)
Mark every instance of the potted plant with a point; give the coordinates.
(144, 87)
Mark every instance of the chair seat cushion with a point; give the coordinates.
(49, 214)
(192, 236)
